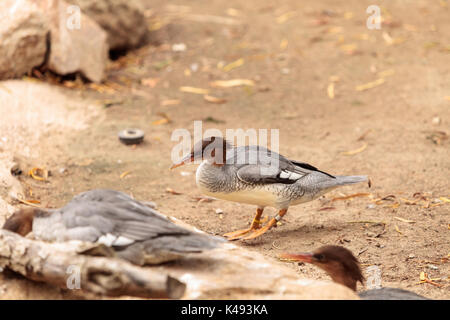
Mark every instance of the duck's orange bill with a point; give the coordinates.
(187, 159)
(301, 257)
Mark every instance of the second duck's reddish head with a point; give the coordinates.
(339, 262)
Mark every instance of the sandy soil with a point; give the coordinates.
(293, 52)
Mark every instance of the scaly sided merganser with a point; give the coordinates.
(136, 232)
(259, 176)
(343, 267)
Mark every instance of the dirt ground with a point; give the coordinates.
(296, 53)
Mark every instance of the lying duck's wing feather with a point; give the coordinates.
(126, 218)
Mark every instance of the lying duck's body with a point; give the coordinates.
(256, 175)
(343, 267)
(135, 231)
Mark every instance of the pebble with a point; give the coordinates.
(194, 67)
(432, 266)
(371, 206)
(371, 234)
(185, 173)
(219, 211)
(436, 120)
(178, 47)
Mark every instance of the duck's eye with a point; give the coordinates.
(319, 257)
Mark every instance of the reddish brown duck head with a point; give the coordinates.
(339, 262)
(21, 221)
(213, 149)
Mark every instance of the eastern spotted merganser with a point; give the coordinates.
(136, 232)
(259, 176)
(343, 267)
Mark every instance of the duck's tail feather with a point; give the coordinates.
(344, 180)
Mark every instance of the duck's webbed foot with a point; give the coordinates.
(267, 227)
(256, 225)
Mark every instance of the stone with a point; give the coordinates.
(23, 37)
(123, 20)
(78, 44)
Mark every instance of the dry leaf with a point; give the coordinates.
(398, 230)
(170, 102)
(213, 99)
(150, 82)
(170, 190)
(38, 174)
(349, 48)
(386, 73)
(352, 152)
(124, 174)
(233, 65)
(422, 276)
(330, 90)
(194, 90)
(232, 83)
(283, 44)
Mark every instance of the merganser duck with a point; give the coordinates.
(343, 267)
(259, 176)
(136, 232)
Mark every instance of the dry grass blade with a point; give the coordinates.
(170, 102)
(194, 90)
(353, 152)
(232, 83)
(370, 85)
(213, 99)
(326, 208)
(404, 220)
(361, 194)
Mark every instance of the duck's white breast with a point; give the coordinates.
(257, 196)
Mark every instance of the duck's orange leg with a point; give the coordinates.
(256, 224)
(267, 227)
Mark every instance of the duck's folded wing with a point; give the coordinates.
(117, 224)
(263, 174)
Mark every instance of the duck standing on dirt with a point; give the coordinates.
(136, 232)
(343, 267)
(259, 176)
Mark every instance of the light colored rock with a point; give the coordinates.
(30, 112)
(75, 47)
(232, 272)
(23, 37)
(123, 20)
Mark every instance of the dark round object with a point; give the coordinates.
(131, 136)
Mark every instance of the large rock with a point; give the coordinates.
(74, 48)
(123, 20)
(23, 37)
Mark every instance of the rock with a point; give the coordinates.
(23, 34)
(123, 20)
(75, 48)
(232, 272)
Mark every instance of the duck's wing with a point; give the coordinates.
(259, 165)
(118, 217)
